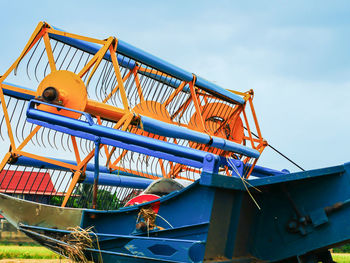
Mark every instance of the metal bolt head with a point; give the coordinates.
(50, 94)
(209, 157)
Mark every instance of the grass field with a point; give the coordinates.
(37, 252)
(26, 252)
(341, 258)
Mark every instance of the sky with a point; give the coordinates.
(295, 55)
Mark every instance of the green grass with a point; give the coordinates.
(26, 252)
(341, 258)
(37, 252)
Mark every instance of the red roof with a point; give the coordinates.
(20, 182)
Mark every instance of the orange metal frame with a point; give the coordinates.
(124, 117)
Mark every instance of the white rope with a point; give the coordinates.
(165, 220)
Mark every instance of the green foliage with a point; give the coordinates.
(105, 199)
(56, 200)
(342, 249)
(82, 198)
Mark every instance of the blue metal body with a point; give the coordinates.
(214, 219)
(302, 215)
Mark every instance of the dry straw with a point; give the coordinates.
(77, 241)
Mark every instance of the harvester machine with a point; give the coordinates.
(115, 155)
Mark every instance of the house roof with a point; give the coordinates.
(22, 182)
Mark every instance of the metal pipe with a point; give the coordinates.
(175, 131)
(141, 56)
(117, 180)
(96, 172)
(114, 137)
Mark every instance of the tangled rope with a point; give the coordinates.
(149, 216)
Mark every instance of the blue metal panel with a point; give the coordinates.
(321, 220)
(188, 213)
(297, 176)
(301, 213)
(216, 180)
(131, 247)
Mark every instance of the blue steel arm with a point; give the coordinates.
(120, 139)
(118, 180)
(175, 131)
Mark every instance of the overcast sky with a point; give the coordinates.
(294, 54)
